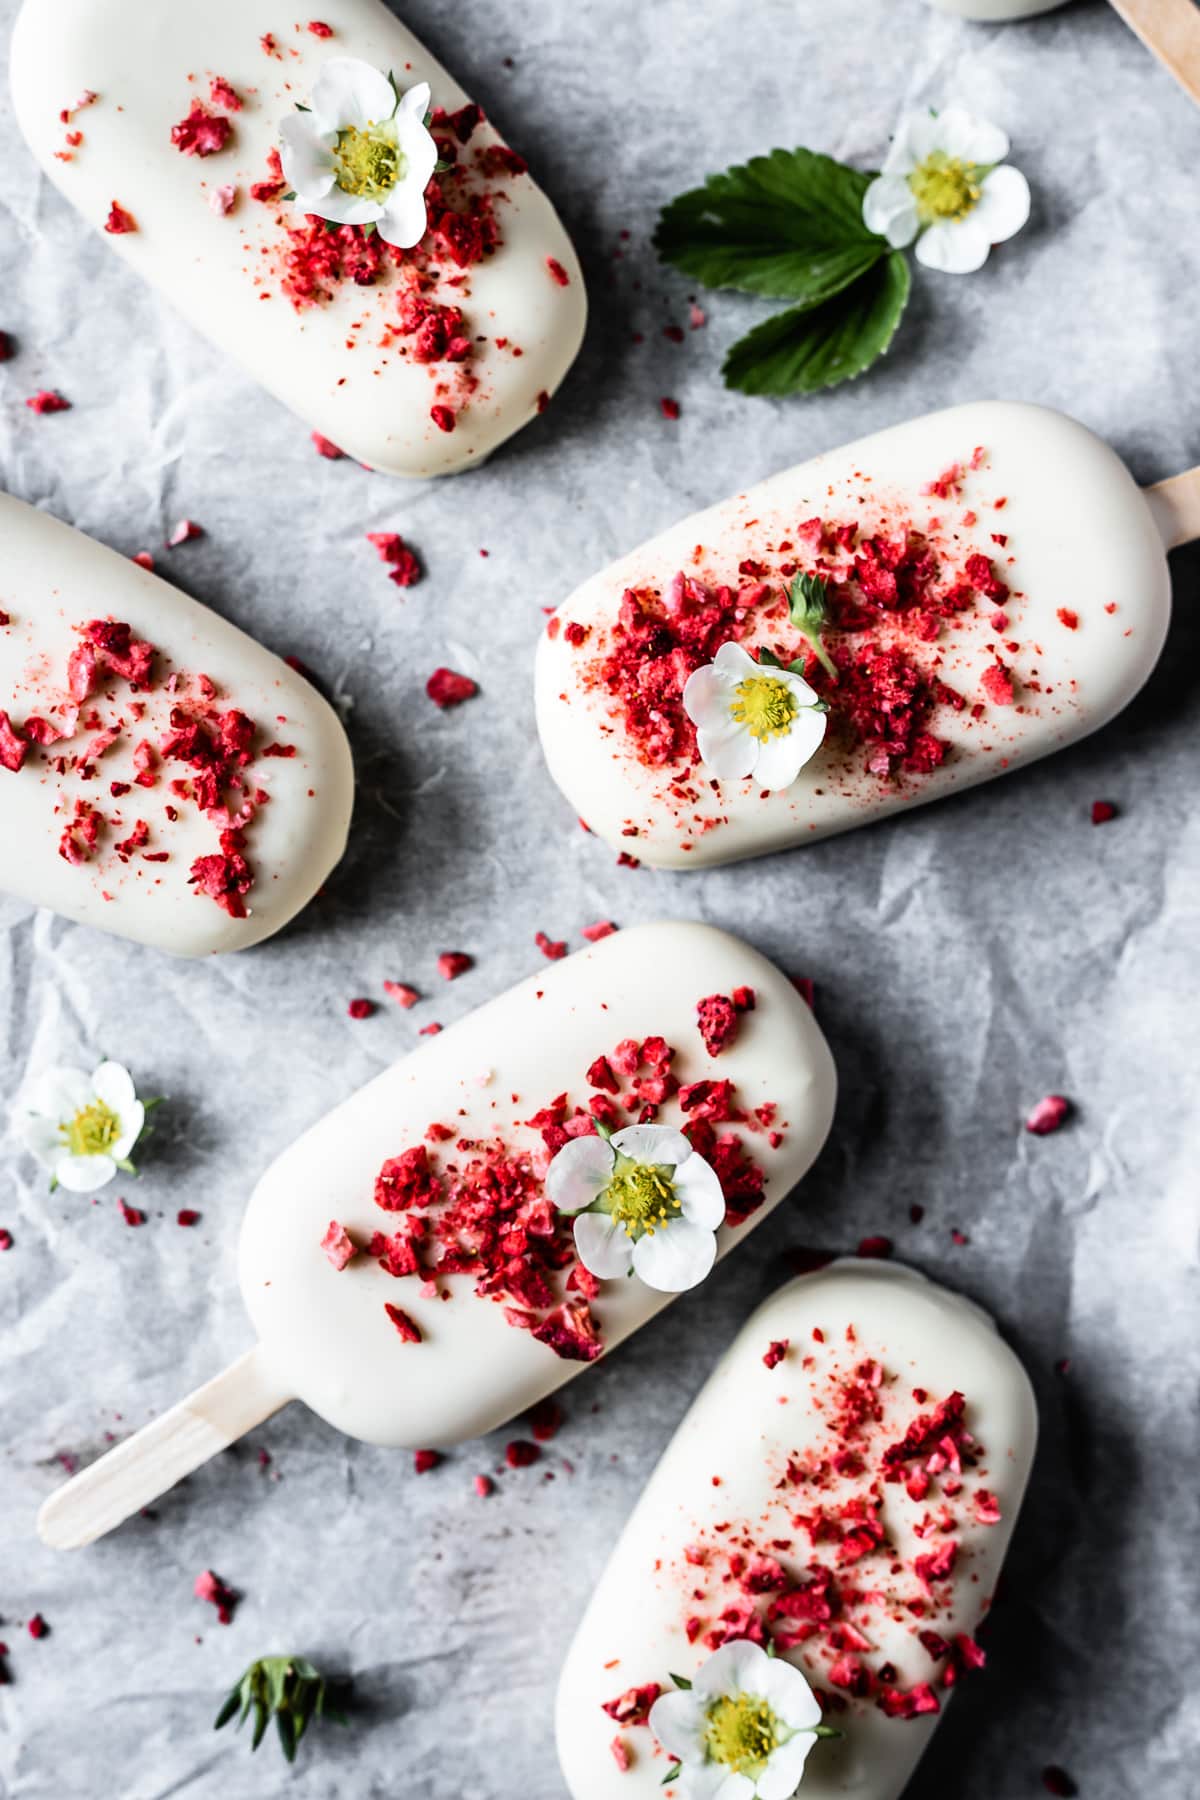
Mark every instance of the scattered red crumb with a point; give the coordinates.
(131, 1214)
(446, 688)
(361, 1009)
(6, 1238)
(484, 1485)
(186, 1216)
(13, 749)
(319, 28)
(401, 993)
(520, 1453)
(37, 1627)
(424, 1460)
(119, 221)
(443, 417)
(550, 948)
(718, 1018)
(670, 408)
(1057, 1781)
(327, 448)
(430, 1030)
(875, 1247)
(1068, 618)
(545, 1419)
(222, 94)
(406, 570)
(6, 346)
(143, 559)
(201, 133)
(633, 1706)
(997, 683)
(1048, 1115)
(601, 929)
(1102, 810)
(338, 1245)
(558, 272)
(621, 1754)
(221, 199)
(775, 1352)
(184, 532)
(404, 1325)
(453, 963)
(47, 400)
(211, 1588)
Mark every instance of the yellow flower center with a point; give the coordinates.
(765, 707)
(368, 163)
(92, 1132)
(945, 187)
(742, 1732)
(641, 1198)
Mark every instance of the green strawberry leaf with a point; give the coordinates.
(808, 348)
(788, 225)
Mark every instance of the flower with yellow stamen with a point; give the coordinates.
(945, 183)
(753, 718)
(743, 1728)
(83, 1128)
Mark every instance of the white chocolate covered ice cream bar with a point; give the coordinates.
(405, 1269)
(995, 586)
(843, 1490)
(161, 124)
(162, 776)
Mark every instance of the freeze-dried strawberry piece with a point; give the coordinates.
(600, 1075)
(776, 1352)
(47, 400)
(132, 1215)
(484, 1485)
(361, 1008)
(601, 929)
(184, 532)
(879, 1247)
(13, 749)
(928, 1430)
(225, 876)
(938, 1565)
(557, 271)
(404, 1325)
(520, 1454)
(326, 447)
(997, 683)
(407, 1180)
(424, 1460)
(319, 28)
(445, 688)
(221, 94)
(545, 1420)
(717, 1017)
(37, 1627)
(396, 1255)
(1048, 1115)
(80, 837)
(202, 133)
(987, 1507)
(633, 1706)
(1055, 1780)
(621, 1754)
(443, 417)
(401, 993)
(119, 221)
(669, 408)
(453, 963)
(405, 570)
(187, 1216)
(1103, 811)
(549, 947)
(338, 1245)
(570, 1332)
(908, 1703)
(211, 1588)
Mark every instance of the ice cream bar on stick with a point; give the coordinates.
(841, 1495)
(886, 624)
(162, 776)
(1170, 29)
(501, 1207)
(324, 202)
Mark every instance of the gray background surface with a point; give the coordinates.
(968, 958)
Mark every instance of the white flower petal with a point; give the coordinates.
(84, 1174)
(890, 209)
(734, 1787)
(351, 92)
(699, 1192)
(651, 1143)
(737, 1668)
(306, 156)
(954, 246)
(781, 758)
(675, 1257)
(131, 1120)
(112, 1084)
(1003, 206)
(41, 1138)
(730, 755)
(579, 1172)
(702, 1781)
(802, 693)
(415, 102)
(707, 695)
(677, 1720)
(404, 219)
(732, 660)
(60, 1093)
(343, 208)
(963, 134)
(903, 154)
(604, 1249)
(785, 1768)
(789, 1694)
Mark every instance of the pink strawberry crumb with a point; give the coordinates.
(187, 1216)
(601, 929)
(424, 1460)
(211, 1588)
(221, 200)
(326, 447)
(401, 993)
(361, 1008)
(119, 221)
(1048, 1115)
(184, 533)
(47, 400)
(446, 688)
(453, 963)
(621, 1754)
(37, 1627)
(776, 1352)
(484, 1485)
(338, 1245)
(131, 1214)
(554, 950)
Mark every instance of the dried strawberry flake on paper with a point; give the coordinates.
(47, 400)
(425, 1460)
(446, 688)
(37, 1627)
(211, 1588)
(1048, 1115)
(327, 448)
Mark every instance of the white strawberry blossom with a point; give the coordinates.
(83, 1128)
(945, 183)
(753, 718)
(744, 1728)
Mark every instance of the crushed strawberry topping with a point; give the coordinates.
(446, 688)
(202, 133)
(478, 1207)
(119, 221)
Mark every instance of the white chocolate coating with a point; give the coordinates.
(1079, 535)
(742, 1430)
(325, 1331)
(332, 363)
(996, 11)
(55, 579)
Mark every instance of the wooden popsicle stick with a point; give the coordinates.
(1171, 29)
(1175, 504)
(136, 1472)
